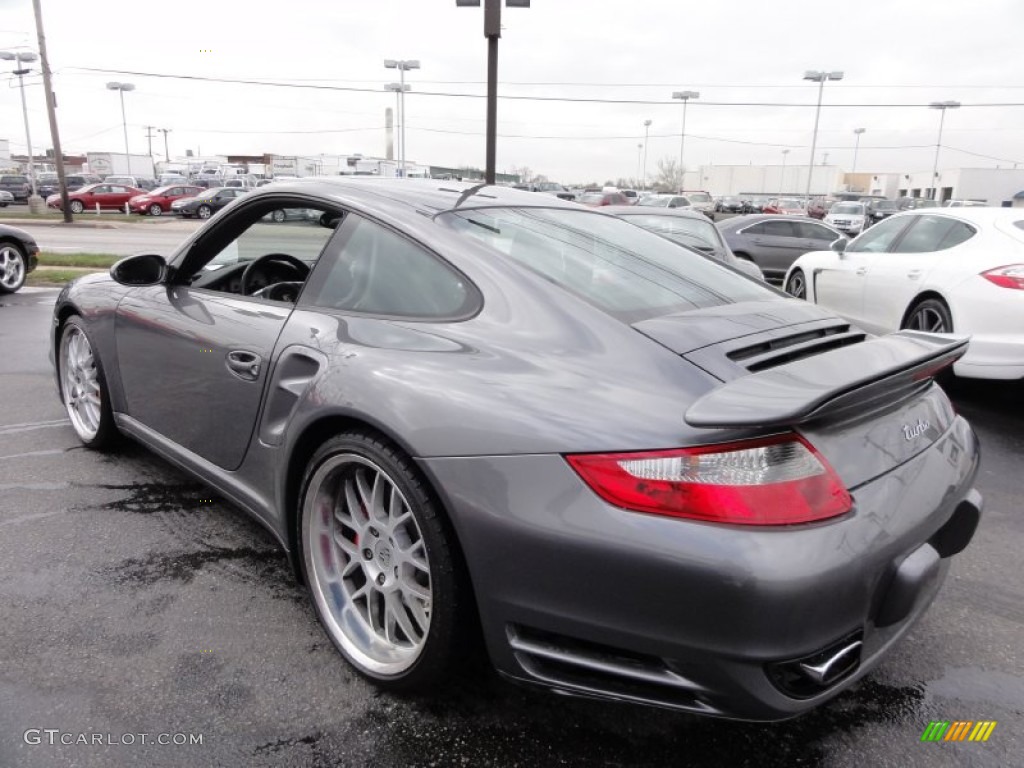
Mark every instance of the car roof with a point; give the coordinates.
(428, 195)
(753, 218)
(976, 215)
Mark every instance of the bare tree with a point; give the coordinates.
(525, 174)
(670, 175)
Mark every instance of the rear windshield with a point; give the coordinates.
(691, 232)
(624, 270)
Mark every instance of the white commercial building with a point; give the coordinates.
(5, 152)
(995, 186)
(782, 180)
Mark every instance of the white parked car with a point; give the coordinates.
(941, 270)
(5, 198)
(848, 217)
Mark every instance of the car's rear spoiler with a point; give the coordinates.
(828, 383)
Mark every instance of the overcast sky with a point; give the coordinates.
(907, 52)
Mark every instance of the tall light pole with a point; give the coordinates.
(817, 77)
(856, 147)
(782, 179)
(17, 57)
(121, 88)
(51, 111)
(647, 133)
(398, 88)
(942, 106)
(685, 96)
(402, 66)
(639, 160)
(492, 31)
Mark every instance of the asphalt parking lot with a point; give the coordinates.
(137, 602)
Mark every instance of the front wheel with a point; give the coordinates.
(796, 285)
(930, 315)
(277, 216)
(379, 563)
(156, 209)
(83, 387)
(204, 211)
(77, 206)
(12, 268)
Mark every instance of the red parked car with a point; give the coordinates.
(595, 199)
(109, 196)
(159, 200)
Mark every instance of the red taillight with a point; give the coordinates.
(1010, 276)
(772, 481)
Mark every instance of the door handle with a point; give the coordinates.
(861, 271)
(914, 274)
(244, 364)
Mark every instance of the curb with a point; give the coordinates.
(52, 223)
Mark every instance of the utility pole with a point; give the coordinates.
(149, 137)
(167, 155)
(51, 109)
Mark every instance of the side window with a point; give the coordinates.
(925, 235)
(381, 273)
(757, 229)
(815, 232)
(958, 234)
(779, 229)
(880, 236)
(119, 190)
(103, 189)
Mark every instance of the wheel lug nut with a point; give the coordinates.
(381, 579)
(368, 554)
(374, 532)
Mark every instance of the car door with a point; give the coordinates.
(896, 277)
(194, 361)
(774, 247)
(840, 285)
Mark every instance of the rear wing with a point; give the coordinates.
(829, 383)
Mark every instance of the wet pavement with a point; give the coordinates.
(134, 601)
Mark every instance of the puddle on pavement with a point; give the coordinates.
(182, 567)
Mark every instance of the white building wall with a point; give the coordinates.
(765, 179)
(5, 150)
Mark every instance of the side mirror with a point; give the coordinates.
(839, 245)
(144, 269)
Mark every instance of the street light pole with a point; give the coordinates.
(942, 106)
(402, 65)
(782, 178)
(639, 156)
(856, 147)
(647, 133)
(492, 31)
(399, 88)
(121, 88)
(167, 155)
(685, 96)
(17, 57)
(820, 78)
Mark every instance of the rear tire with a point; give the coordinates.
(13, 267)
(930, 316)
(796, 284)
(381, 564)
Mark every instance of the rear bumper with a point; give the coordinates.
(588, 599)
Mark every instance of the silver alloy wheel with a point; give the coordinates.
(928, 318)
(156, 209)
(204, 212)
(77, 206)
(796, 286)
(80, 382)
(367, 564)
(12, 267)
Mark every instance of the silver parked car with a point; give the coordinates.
(774, 241)
(646, 477)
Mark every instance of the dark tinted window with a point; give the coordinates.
(381, 273)
(778, 229)
(959, 233)
(624, 270)
(926, 235)
(757, 229)
(811, 231)
(879, 237)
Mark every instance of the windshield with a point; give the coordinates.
(655, 200)
(787, 203)
(624, 270)
(855, 209)
(886, 205)
(699, 197)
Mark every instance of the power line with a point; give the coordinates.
(520, 97)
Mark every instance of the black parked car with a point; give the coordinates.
(47, 183)
(206, 204)
(18, 252)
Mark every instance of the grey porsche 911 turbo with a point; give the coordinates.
(644, 476)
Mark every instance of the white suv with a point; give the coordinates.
(848, 217)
